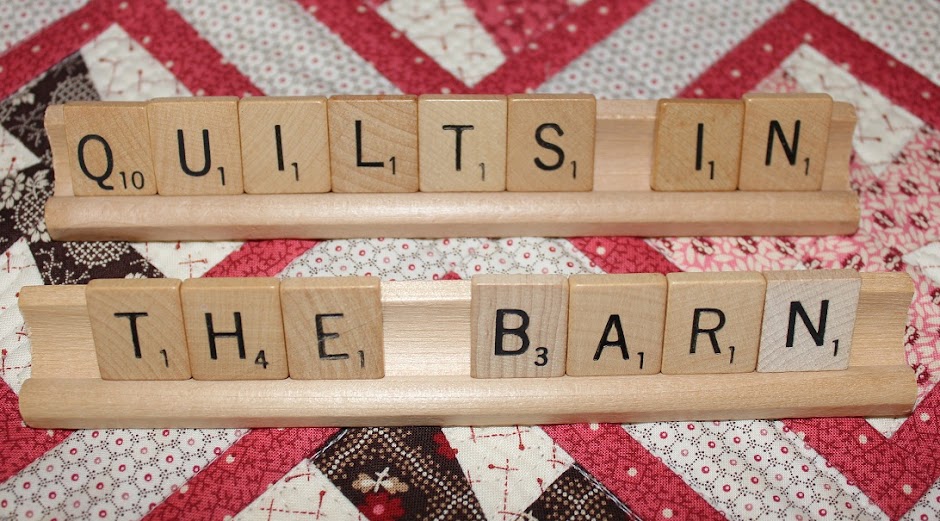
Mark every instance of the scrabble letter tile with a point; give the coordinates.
(697, 145)
(374, 143)
(234, 329)
(809, 317)
(785, 141)
(285, 145)
(518, 325)
(551, 143)
(109, 148)
(462, 143)
(137, 325)
(196, 145)
(713, 322)
(333, 328)
(615, 324)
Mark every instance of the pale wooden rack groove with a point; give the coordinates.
(621, 203)
(427, 382)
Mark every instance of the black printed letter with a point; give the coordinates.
(502, 331)
(612, 323)
(697, 330)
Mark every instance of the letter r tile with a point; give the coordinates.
(333, 327)
(809, 319)
(713, 322)
(518, 326)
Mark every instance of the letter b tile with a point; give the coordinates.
(518, 326)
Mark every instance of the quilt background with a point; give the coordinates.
(881, 56)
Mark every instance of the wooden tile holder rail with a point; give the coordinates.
(427, 382)
(620, 204)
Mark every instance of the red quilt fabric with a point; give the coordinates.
(881, 56)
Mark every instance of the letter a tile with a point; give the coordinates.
(713, 322)
(786, 137)
(518, 325)
(809, 318)
(196, 145)
(333, 327)
(137, 325)
(697, 145)
(615, 324)
(551, 143)
(234, 328)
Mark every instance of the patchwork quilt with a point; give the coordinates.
(881, 56)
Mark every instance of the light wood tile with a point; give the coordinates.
(713, 322)
(551, 143)
(234, 328)
(462, 143)
(615, 324)
(374, 143)
(196, 145)
(333, 327)
(697, 145)
(518, 325)
(809, 319)
(137, 325)
(109, 148)
(785, 141)
(285, 145)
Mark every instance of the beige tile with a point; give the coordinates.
(615, 324)
(462, 143)
(775, 156)
(333, 327)
(374, 143)
(713, 322)
(551, 143)
(109, 148)
(518, 325)
(285, 145)
(234, 328)
(196, 145)
(137, 325)
(697, 145)
(809, 318)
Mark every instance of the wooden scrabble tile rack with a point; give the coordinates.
(621, 202)
(427, 337)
